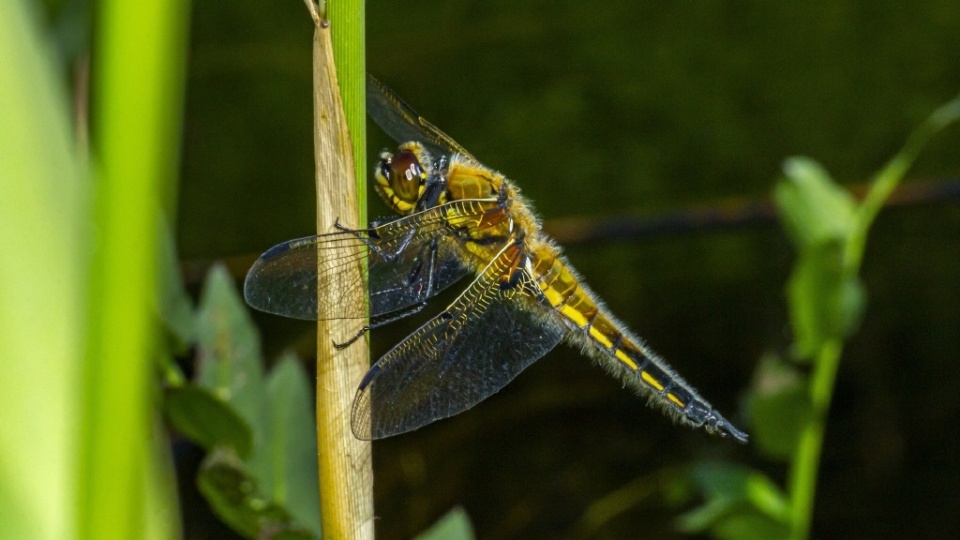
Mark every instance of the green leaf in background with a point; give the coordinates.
(238, 499)
(749, 526)
(229, 363)
(780, 407)
(705, 516)
(825, 301)
(737, 498)
(815, 210)
(454, 525)
(206, 420)
(273, 491)
(293, 444)
(173, 302)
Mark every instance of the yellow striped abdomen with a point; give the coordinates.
(616, 348)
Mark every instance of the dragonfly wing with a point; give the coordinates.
(401, 122)
(459, 358)
(405, 261)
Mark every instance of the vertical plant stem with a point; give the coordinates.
(806, 461)
(347, 28)
(138, 87)
(344, 463)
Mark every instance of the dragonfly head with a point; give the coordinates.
(402, 177)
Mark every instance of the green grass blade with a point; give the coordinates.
(137, 82)
(43, 235)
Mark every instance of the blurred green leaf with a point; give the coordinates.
(706, 515)
(70, 25)
(749, 526)
(273, 492)
(238, 499)
(733, 493)
(174, 304)
(781, 407)
(293, 442)
(229, 364)
(207, 421)
(815, 210)
(454, 525)
(825, 302)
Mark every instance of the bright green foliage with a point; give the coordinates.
(45, 230)
(455, 525)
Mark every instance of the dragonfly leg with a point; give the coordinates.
(378, 323)
(431, 267)
(364, 236)
(435, 185)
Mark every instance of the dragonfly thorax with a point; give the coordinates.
(402, 177)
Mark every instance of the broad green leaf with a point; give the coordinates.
(781, 407)
(454, 525)
(824, 301)
(814, 208)
(207, 421)
(293, 442)
(237, 497)
(229, 363)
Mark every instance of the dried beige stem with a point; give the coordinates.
(346, 474)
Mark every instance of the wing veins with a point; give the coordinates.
(457, 359)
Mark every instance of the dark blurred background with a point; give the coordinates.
(628, 109)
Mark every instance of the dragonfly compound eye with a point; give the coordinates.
(404, 175)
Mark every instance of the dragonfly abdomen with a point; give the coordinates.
(613, 346)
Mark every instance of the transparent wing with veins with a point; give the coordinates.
(401, 122)
(493, 331)
(407, 261)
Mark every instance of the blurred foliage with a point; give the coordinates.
(741, 503)
(779, 406)
(79, 456)
(595, 110)
(45, 234)
(826, 298)
(455, 525)
(260, 473)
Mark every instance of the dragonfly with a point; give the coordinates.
(455, 218)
